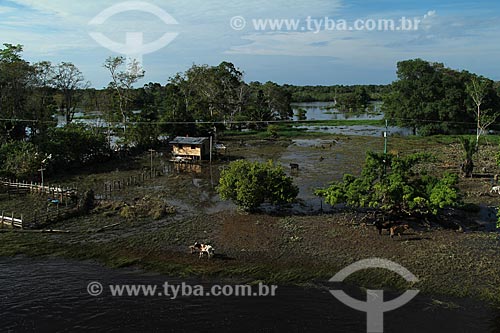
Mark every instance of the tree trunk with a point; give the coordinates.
(467, 168)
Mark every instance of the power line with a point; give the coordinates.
(237, 122)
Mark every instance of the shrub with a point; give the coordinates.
(392, 184)
(250, 184)
(20, 159)
(74, 146)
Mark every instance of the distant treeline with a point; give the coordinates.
(336, 92)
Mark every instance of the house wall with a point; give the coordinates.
(186, 150)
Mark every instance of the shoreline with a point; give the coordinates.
(438, 258)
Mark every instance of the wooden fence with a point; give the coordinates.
(56, 192)
(113, 186)
(67, 198)
(11, 221)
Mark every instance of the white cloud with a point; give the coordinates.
(58, 28)
(429, 14)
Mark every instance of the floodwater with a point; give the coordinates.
(50, 295)
(326, 111)
(359, 130)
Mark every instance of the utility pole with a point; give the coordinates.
(41, 171)
(385, 146)
(151, 151)
(385, 136)
(211, 147)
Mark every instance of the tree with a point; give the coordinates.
(433, 99)
(250, 184)
(145, 132)
(355, 101)
(469, 150)
(123, 81)
(74, 146)
(14, 78)
(268, 102)
(20, 160)
(478, 89)
(68, 79)
(415, 95)
(40, 103)
(393, 185)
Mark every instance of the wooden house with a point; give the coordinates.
(191, 148)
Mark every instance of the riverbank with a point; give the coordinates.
(281, 250)
(60, 289)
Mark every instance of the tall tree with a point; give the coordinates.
(14, 77)
(478, 89)
(40, 100)
(415, 95)
(69, 80)
(123, 80)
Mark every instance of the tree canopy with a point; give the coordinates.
(394, 185)
(250, 184)
(433, 99)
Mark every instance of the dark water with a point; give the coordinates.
(50, 295)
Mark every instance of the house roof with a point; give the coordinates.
(181, 140)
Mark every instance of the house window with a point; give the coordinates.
(180, 147)
(193, 147)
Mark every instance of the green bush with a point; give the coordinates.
(250, 184)
(74, 146)
(392, 184)
(20, 159)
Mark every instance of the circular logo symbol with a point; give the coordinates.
(95, 289)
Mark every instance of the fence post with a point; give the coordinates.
(12, 221)
(1, 220)
(22, 222)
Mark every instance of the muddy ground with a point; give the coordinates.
(297, 245)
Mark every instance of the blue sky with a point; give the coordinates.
(462, 34)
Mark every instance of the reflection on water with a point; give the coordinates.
(50, 295)
(326, 111)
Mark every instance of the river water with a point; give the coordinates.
(326, 111)
(50, 295)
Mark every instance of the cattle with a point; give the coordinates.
(495, 189)
(393, 228)
(398, 229)
(196, 248)
(202, 249)
(294, 166)
(208, 250)
(383, 225)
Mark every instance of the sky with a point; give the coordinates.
(324, 48)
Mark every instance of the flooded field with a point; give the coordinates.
(327, 111)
